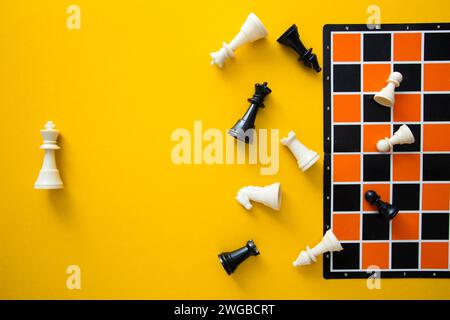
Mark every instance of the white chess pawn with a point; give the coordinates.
(386, 97)
(251, 30)
(402, 136)
(269, 196)
(329, 243)
(305, 157)
(49, 175)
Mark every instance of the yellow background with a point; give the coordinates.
(136, 224)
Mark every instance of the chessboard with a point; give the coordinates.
(415, 177)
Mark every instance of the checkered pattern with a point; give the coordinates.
(415, 178)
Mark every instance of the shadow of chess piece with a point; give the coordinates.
(291, 39)
(387, 211)
(247, 122)
(231, 260)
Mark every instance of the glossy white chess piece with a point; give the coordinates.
(269, 196)
(329, 243)
(386, 97)
(402, 136)
(251, 30)
(49, 177)
(305, 157)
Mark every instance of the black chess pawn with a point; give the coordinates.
(239, 130)
(231, 260)
(387, 211)
(291, 39)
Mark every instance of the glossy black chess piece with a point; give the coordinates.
(387, 211)
(291, 39)
(239, 130)
(231, 260)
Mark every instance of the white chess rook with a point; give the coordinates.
(251, 30)
(402, 136)
(49, 175)
(386, 97)
(269, 196)
(305, 157)
(329, 243)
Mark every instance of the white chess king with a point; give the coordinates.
(402, 136)
(329, 243)
(49, 175)
(269, 196)
(251, 30)
(305, 157)
(386, 97)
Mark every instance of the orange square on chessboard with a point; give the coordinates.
(407, 47)
(383, 190)
(373, 133)
(436, 76)
(434, 255)
(346, 226)
(405, 226)
(406, 167)
(346, 108)
(407, 108)
(346, 167)
(436, 196)
(346, 47)
(375, 254)
(375, 76)
(436, 137)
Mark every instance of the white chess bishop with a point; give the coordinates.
(402, 136)
(251, 30)
(269, 196)
(329, 243)
(49, 177)
(305, 157)
(386, 97)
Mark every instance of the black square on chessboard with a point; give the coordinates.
(406, 196)
(346, 197)
(347, 78)
(415, 129)
(436, 107)
(377, 47)
(405, 255)
(412, 76)
(374, 112)
(435, 226)
(375, 227)
(347, 258)
(436, 167)
(347, 138)
(377, 167)
(437, 46)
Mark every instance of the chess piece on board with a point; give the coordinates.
(239, 130)
(402, 136)
(269, 196)
(49, 177)
(251, 30)
(386, 97)
(387, 211)
(305, 157)
(329, 243)
(291, 39)
(231, 260)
